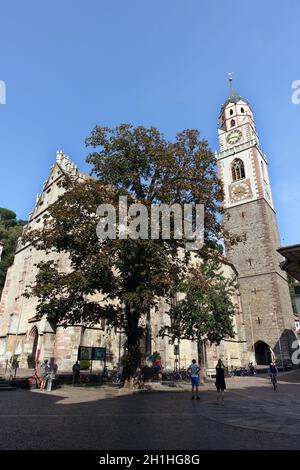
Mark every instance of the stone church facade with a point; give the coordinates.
(263, 322)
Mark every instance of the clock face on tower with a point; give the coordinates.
(234, 136)
(240, 191)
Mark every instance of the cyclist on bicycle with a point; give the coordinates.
(273, 371)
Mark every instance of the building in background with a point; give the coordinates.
(291, 265)
(297, 299)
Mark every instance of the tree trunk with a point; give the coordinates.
(201, 356)
(200, 352)
(132, 355)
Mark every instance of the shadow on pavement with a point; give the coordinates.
(254, 417)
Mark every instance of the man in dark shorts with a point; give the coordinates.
(194, 368)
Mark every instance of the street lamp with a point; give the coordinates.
(119, 332)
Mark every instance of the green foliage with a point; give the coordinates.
(130, 274)
(7, 214)
(131, 360)
(292, 283)
(155, 356)
(206, 311)
(10, 231)
(85, 364)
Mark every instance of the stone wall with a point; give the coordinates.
(265, 299)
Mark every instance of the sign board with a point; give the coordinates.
(98, 354)
(176, 349)
(86, 353)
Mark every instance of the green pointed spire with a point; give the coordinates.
(232, 94)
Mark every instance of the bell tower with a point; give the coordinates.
(250, 214)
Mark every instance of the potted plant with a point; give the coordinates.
(85, 364)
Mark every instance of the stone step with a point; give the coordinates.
(5, 385)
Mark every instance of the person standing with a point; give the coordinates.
(76, 373)
(194, 368)
(158, 368)
(251, 369)
(220, 381)
(44, 373)
(52, 371)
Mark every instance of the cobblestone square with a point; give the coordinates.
(253, 417)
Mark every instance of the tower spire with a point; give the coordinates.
(233, 96)
(232, 93)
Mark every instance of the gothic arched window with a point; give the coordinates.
(237, 169)
(232, 122)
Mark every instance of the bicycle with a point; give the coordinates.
(138, 381)
(115, 377)
(35, 378)
(274, 382)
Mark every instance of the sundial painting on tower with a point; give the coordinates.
(240, 191)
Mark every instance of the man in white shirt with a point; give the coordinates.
(194, 368)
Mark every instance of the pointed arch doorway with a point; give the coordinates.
(264, 355)
(34, 337)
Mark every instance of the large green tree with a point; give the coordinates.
(141, 164)
(10, 231)
(204, 313)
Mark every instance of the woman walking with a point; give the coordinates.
(44, 372)
(220, 381)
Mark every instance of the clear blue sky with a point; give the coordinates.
(69, 65)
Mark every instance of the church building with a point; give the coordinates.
(263, 322)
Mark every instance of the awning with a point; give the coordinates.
(292, 260)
